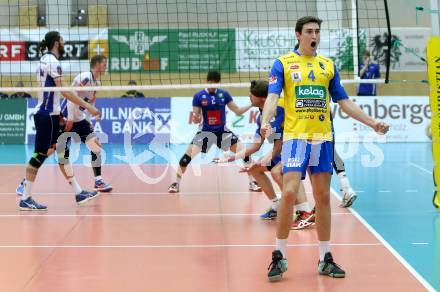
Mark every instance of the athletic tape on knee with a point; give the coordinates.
(185, 160)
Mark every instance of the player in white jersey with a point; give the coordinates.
(78, 119)
(47, 119)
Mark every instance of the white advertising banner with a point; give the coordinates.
(19, 53)
(257, 48)
(407, 116)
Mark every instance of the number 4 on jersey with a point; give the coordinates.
(311, 75)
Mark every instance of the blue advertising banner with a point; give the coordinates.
(139, 120)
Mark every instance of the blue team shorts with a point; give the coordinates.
(298, 155)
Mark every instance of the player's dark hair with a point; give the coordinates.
(306, 19)
(366, 53)
(49, 41)
(213, 76)
(259, 88)
(96, 60)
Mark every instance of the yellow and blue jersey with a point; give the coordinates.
(307, 82)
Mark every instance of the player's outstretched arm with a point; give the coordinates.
(238, 110)
(268, 113)
(354, 111)
(79, 101)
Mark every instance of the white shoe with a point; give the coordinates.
(174, 188)
(348, 197)
(254, 187)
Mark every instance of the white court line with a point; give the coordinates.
(411, 191)
(186, 245)
(384, 191)
(420, 167)
(389, 247)
(145, 193)
(145, 215)
(420, 243)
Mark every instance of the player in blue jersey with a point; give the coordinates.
(47, 119)
(309, 82)
(209, 109)
(369, 70)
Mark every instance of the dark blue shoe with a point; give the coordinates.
(30, 205)
(102, 186)
(20, 189)
(269, 215)
(85, 196)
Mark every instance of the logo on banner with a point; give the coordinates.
(140, 44)
(12, 51)
(74, 50)
(98, 47)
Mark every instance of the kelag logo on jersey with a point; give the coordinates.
(310, 91)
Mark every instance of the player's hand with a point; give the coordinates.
(265, 130)
(68, 126)
(381, 127)
(95, 112)
(196, 118)
(249, 167)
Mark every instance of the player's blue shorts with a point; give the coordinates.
(297, 155)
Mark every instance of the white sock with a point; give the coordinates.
(303, 207)
(178, 179)
(27, 192)
(281, 245)
(324, 247)
(275, 204)
(98, 177)
(251, 179)
(76, 187)
(343, 181)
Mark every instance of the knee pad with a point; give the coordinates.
(185, 160)
(37, 159)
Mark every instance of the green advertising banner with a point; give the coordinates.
(13, 121)
(171, 50)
